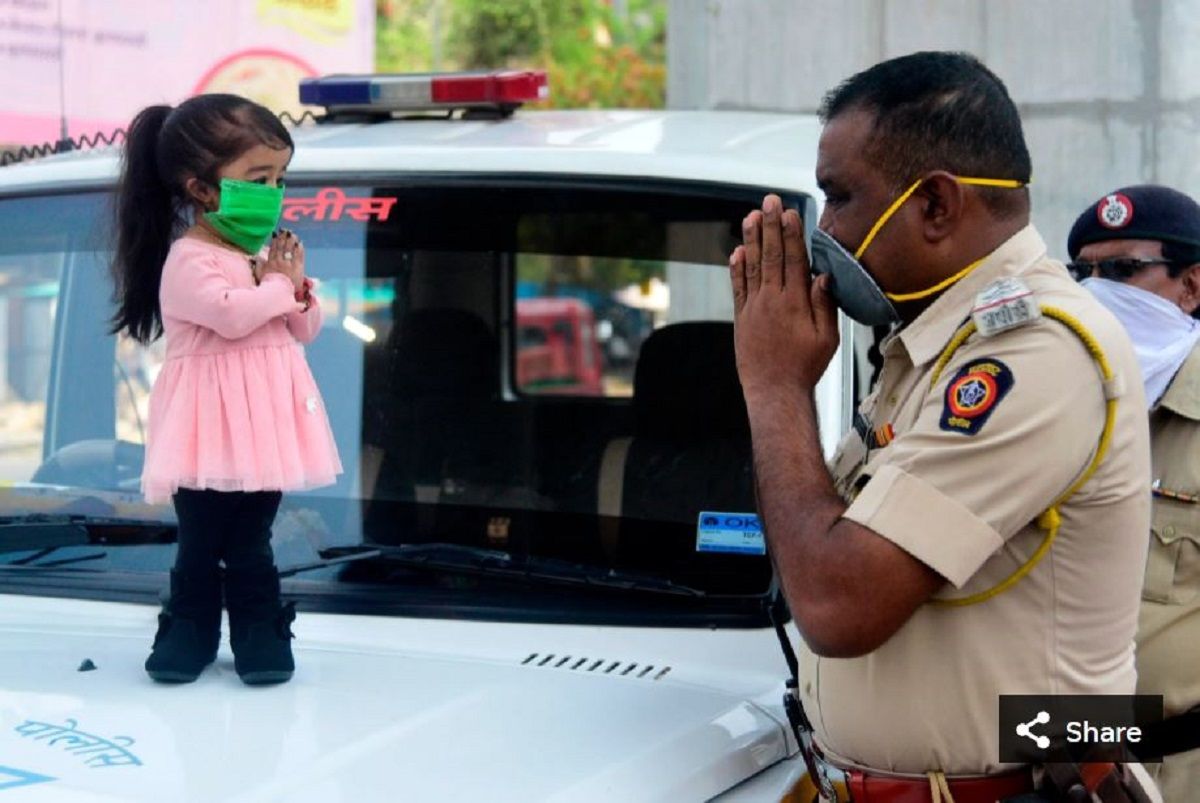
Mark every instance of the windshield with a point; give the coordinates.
(543, 370)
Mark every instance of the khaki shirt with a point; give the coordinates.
(1168, 656)
(966, 504)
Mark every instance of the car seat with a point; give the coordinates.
(690, 449)
(446, 443)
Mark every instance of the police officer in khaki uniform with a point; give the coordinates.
(1140, 249)
(961, 458)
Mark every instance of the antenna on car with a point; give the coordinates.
(25, 153)
(295, 122)
(64, 145)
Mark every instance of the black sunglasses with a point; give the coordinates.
(1118, 268)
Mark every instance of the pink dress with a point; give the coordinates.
(235, 407)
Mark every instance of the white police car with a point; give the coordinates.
(540, 577)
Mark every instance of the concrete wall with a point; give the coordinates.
(1109, 90)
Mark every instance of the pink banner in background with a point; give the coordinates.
(109, 58)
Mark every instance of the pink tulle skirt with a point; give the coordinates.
(251, 419)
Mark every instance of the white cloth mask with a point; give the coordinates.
(1162, 334)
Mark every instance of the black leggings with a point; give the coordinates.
(233, 527)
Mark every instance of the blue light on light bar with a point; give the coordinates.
(338, 91)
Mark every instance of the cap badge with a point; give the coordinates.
(1115, 211)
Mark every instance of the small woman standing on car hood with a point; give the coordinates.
(235, 415)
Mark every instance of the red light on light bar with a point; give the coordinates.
(500, 88)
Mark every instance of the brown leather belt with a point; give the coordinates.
(866, 788)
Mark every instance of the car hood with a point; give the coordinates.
(375, 712)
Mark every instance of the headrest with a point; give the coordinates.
(686, 384)
(444, 351)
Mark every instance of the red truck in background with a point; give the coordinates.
(557, 349)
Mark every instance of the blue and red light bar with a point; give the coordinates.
(501, 90)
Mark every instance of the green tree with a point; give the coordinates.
(403, 35)
(595, 55)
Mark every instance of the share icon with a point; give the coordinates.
(1023, 729)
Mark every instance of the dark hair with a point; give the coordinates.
(939, 111)
(163, 149)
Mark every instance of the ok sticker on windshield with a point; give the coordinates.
(738, 533)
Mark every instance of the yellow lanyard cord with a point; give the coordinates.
(939, 787)
(896, 204)
(1049, 520)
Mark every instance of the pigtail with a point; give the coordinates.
(147, 219)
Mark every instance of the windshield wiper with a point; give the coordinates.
(75, 528)
(47, 533)
(460, 559)
(27, 563)
(82, 519)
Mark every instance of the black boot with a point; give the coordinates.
(189, 628)
(259, 626)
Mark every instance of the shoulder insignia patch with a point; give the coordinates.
(973, 394)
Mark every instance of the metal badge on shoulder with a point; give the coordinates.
(1004, 304)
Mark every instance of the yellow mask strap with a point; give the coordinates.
(891, 210)
(1006, 183)
(937, 288)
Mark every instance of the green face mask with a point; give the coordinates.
(248, 213)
